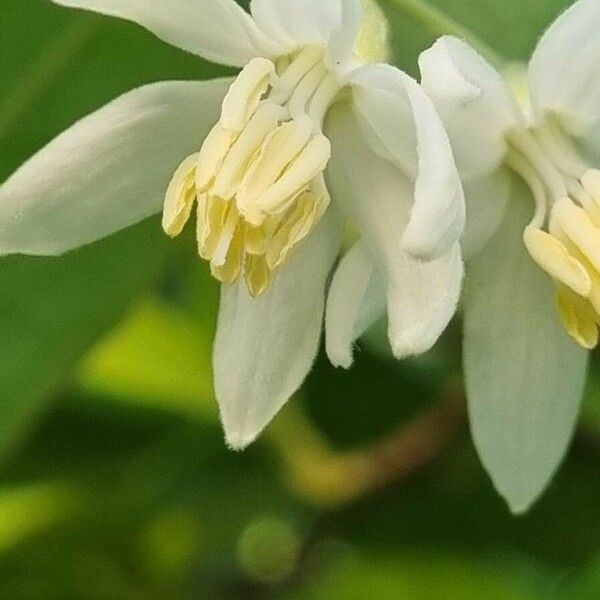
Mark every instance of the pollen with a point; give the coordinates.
(258, 180)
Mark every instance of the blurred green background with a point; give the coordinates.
(114, 479)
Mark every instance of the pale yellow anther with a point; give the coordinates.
(591, 207)
(257, 274)
(212, 213)
(230, 270)
(278, 150)
(232, 171)
(245, 93)
(553, 257)
(594, 294)
(257, 238)
(296, 226)
(580, 229)
(180, 197)
(311, 161)
(227, 233)
(213, 152)
(578, 318)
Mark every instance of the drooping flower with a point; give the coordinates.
(268, 221)
(528, 149)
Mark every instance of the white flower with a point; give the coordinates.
(530, 160)
(268, 222)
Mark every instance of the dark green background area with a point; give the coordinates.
(114, 479)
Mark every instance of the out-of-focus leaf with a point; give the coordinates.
(52, 310)
(159, 356)
(27, 510)
(421, 578)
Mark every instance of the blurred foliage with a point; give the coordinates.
(115, 482)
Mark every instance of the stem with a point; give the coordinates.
(51, 61)
(438, 23)
(330, 478)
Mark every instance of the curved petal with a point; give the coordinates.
(292, 23)
(524, 375)
(355, 301)
(475, 104)
(108, 171)
(564, 72)
(219, 30)
(486, 199)
(421, 295)
(394, 110)
(265, 346)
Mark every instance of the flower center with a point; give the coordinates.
(564, 236)
(258, 178)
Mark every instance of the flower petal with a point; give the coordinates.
(394, 110)
(421, 295)
(475, 104)
(355, 301)
(108, 171)
(292, 23)
(564, 72)
(219, 30)
(486, 199)
(524, 375)
(265, 346)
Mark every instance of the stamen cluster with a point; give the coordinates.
(258, 178)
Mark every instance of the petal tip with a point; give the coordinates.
(519, 502)
(340, 360)
(238, 441)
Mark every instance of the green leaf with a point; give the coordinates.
(53, 309)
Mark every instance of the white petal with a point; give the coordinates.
(475, 105)
(565, 69)
(219, 30)
(422, 298)
(355, 301)
(421, 295)
(394, 110)
(486, 198)
(108, 171)
(524, 375)
(265, 346)
(293, 23)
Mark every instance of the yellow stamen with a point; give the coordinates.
(245, 93)
(578, 317)
(580, 229)
(257, 273)
(180, 197)
(212, 154)
(259, 174)
(552, 256)
(233, 168)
